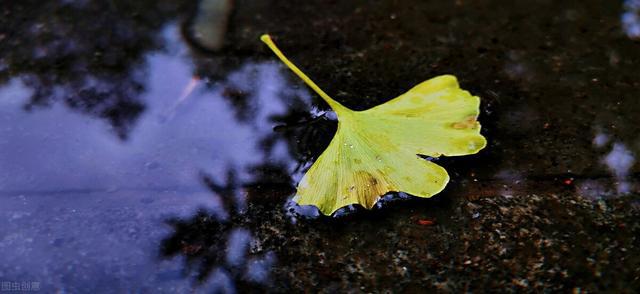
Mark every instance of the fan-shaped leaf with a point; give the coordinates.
(375, 151)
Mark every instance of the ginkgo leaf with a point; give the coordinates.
(376, 151)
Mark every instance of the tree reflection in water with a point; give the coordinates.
(111, 60)
(86, 54)
(219, 245)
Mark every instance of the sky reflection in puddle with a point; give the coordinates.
(619, 162)
(58, 149)
(631, 18)
(66, 179)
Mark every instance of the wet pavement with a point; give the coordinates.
(154, 146)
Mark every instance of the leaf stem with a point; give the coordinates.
(337, 107)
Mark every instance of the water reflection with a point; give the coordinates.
(76, 63)
(206, 30)
(221, 252)
(209, 132)
(198, 143)
(619, 161)
(631, 18)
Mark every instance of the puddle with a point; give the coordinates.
(619, 161)
(68, 179)
(631, 19)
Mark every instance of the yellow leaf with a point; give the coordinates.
(375, 151)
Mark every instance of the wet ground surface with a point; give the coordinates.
(153, 146)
